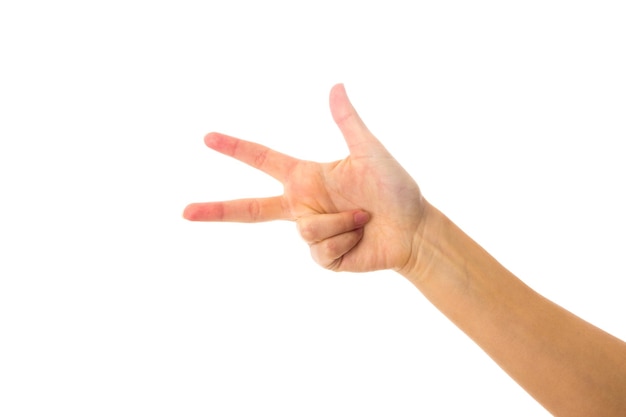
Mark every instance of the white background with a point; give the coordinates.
(511, 116)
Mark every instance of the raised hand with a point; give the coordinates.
(331, 202)
(365, 212)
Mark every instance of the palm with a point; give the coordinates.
(369, 179)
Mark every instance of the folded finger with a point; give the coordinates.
(318, 227)
(249, 210)
(329, 252)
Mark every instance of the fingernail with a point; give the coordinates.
(361, 217)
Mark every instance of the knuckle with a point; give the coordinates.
(218, 212)
(330, 248)
(254, 210)
(306, 230)
(260, 158)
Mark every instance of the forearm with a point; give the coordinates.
(570, 366)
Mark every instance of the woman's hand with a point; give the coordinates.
(331, 202)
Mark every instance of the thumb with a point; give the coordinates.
(361, 142)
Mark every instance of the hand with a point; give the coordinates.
(331, 202)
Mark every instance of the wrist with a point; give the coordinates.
(435, 250)
(419, 254)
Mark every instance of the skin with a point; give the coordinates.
(365, 213)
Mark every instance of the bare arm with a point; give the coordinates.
(568, 365)
(365, 213)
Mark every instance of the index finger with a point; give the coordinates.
(258, 156)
